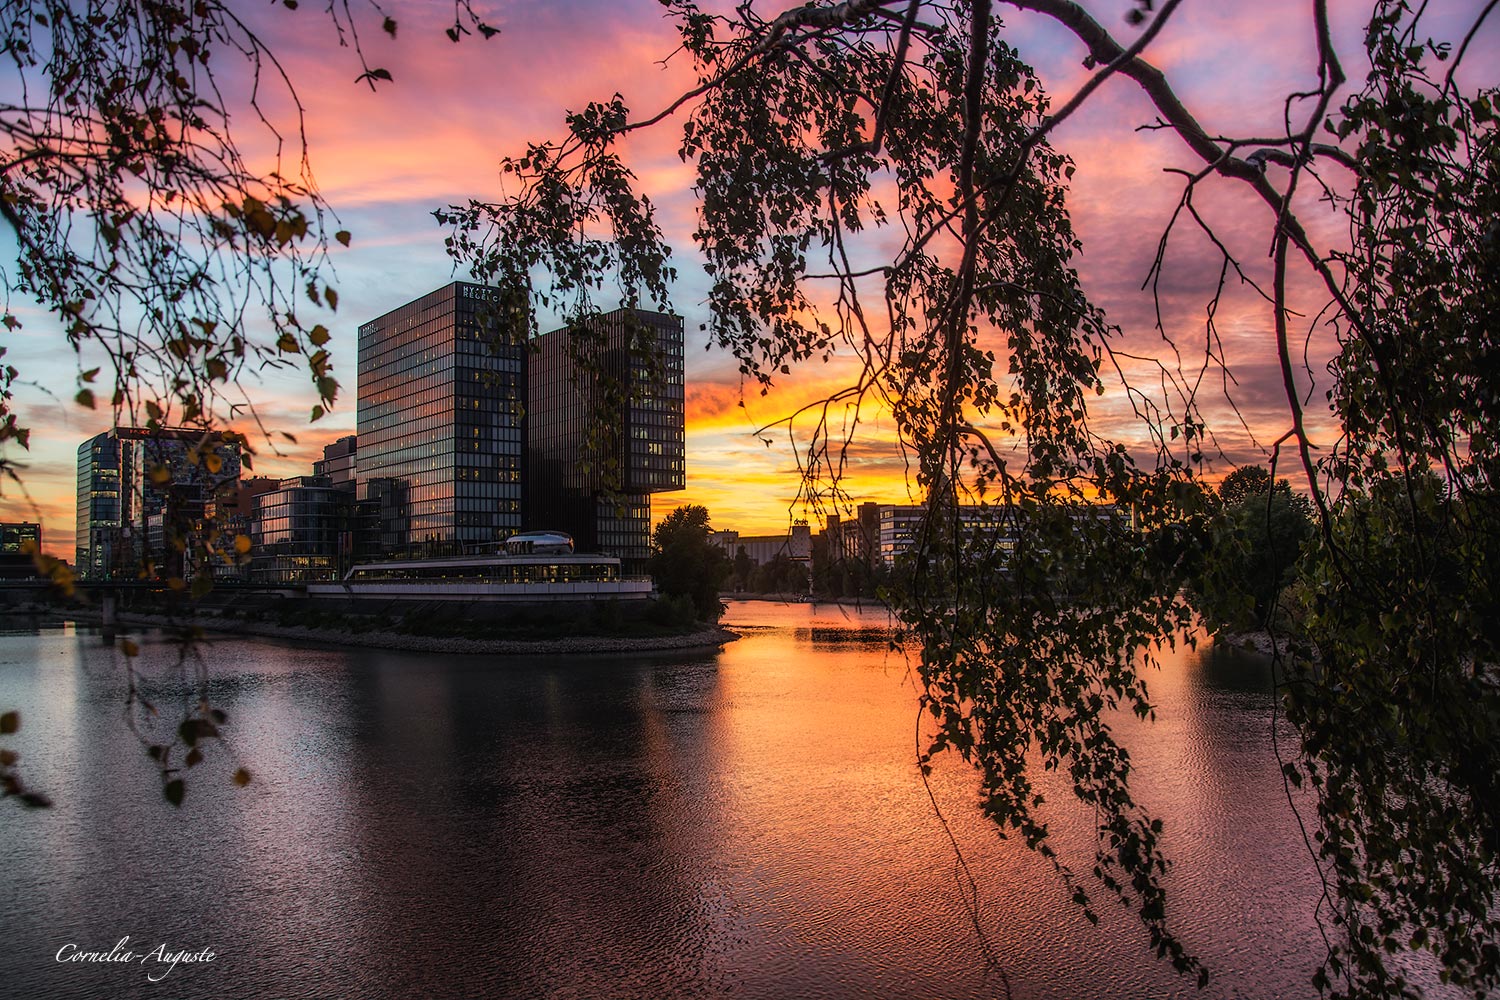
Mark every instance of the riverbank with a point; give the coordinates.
(705, 639)
(1259, 641)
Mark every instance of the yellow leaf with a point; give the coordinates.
(129, 648)
(242, 544)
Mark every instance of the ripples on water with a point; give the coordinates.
(745, 824)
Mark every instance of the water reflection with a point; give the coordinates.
(745, 824)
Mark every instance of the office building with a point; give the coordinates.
(19, 542)
(599, 447)
(134, 484)
(20, 537)
(339, 462)
(301, 532)
(442, 381)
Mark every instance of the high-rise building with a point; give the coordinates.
(598, 447)
(442, 381)
(98, 530)
(131, 480)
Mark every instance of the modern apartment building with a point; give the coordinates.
(442, 383)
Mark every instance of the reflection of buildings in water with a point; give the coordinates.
(585, 816)
(834, 637)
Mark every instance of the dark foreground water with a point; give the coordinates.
(747, 824)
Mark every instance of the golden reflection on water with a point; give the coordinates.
(750, 823)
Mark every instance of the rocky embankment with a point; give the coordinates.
(1256, 642)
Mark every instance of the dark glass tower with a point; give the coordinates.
(100, 512)
(598, 448)
(135, 485)
(441, 385)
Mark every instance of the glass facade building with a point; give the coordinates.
(128, 476)
(97, 531)
(598, 447)
(442, 383)
(300, 532)
(339, 462)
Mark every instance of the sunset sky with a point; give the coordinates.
(435, 135)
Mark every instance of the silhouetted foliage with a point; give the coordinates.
(685, 561)
(157, 243)
(1258, 536)
(780, 575)
(809, 129)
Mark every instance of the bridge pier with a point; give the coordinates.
(107, 618)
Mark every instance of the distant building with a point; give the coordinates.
(442, 381)
(129, 477)
(19, 541)
(596, 451)
(796, 544)
(901, 527)
(20, 537)
(339, 463)
(857, 539)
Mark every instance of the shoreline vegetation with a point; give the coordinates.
(432, 640)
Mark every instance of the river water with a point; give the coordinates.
(742, 824)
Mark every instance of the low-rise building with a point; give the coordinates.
(302, 532)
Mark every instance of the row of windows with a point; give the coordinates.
(495, 573)
(435, 504)
(502, 446)
(479, 475)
